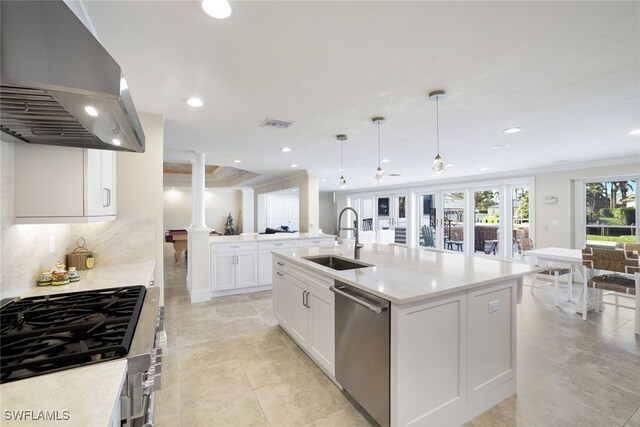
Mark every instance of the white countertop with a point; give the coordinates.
(88, 394)
(402, 275)
(267, 237)
(101, 277)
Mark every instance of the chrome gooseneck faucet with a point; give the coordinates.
(358, 246)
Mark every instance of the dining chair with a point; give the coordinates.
(613, 270)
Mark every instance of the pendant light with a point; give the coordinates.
(342, 183)
(438, 164)
(379, 176)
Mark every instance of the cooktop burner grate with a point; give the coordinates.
(56, 332)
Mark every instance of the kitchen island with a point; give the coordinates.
(452, 333)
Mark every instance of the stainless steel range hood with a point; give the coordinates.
(55, 76)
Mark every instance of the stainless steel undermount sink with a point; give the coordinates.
(336, 263)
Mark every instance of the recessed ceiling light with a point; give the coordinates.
(635, 132)
(484, 169)
(449, 165)
(237, 161)
(293, 165)
(194, 102)
(285, 149)
(512, 130)
(220, 9)
(340, 170)
(91, 111)
(385, 161)
(116, 141)
(323, 180)
(499, 146)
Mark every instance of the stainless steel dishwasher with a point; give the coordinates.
(363, 324)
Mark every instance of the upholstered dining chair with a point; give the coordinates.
(614, 270)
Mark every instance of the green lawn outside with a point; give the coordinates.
(623, 239)
(610, 221)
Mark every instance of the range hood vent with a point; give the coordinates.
(50, 76)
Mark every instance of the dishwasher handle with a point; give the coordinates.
(376, 309)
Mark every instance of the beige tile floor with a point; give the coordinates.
(228, 364)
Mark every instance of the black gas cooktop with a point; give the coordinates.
(44, 334)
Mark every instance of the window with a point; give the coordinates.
(610, 214)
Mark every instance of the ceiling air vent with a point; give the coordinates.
(273, 123)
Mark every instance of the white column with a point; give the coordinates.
(199, 248)
(198, 190)
(193, 192)
(247, 210)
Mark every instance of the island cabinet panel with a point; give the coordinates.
(322, 327)
(429, 359)
(266, 258)
(491, 343)
(282, 300)
(299, 312)
(304, 307)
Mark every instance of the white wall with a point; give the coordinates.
(218, 203)
(328, 213)
(561, 184)
(309, 192)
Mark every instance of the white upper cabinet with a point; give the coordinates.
(63, 184)
(100, 176)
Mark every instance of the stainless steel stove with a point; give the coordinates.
(46, 334)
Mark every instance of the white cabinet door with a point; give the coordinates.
(108, 180)
(100, 183)
(299, 312)
(223, 265)
(265, 265)
(321, 328)
(48, 181)
(246, 269)
(282, 300)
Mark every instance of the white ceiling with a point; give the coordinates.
(568, 73)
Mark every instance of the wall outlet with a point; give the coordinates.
(494, 306)
(555, 223)
(52, 243)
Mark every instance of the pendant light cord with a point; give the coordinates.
(341, 157)
(378, 143)
(437, 126)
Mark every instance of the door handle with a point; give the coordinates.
(376, 309)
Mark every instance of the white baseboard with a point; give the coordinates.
(238, 291)
(200, 296)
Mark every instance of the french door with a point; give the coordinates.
(391, 218)
(441, 220)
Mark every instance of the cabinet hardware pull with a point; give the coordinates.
(303, 292)
(307, 301)
(235, 247)
(278, 244)
(279, 274)
(281, 264)
(109, 197)
(106, 203)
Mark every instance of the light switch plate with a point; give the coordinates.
(555, 223)
(494, 306)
